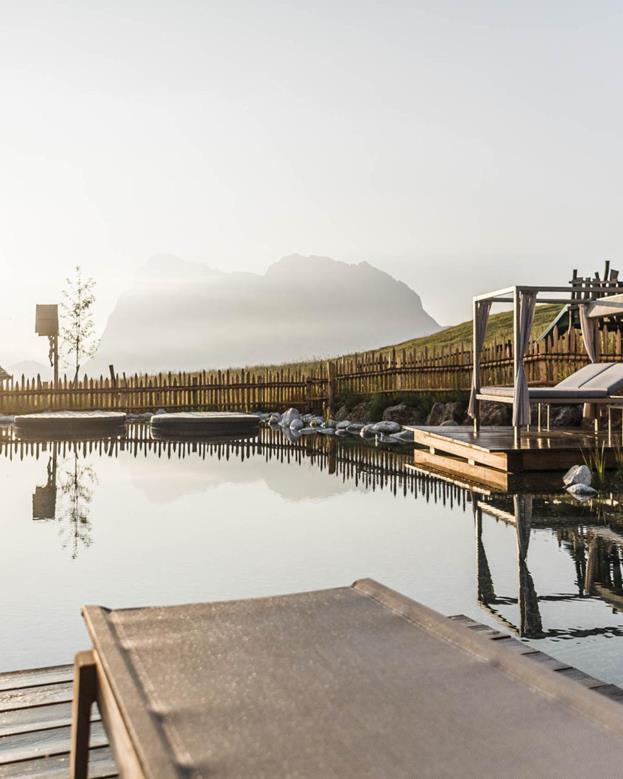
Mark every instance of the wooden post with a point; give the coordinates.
(476, 367)
(330, 371)
(85, 694)
(516, 357)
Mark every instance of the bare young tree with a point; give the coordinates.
(78, 329)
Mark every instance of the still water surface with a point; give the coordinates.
(135, 522)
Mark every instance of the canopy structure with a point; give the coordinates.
(593, 298)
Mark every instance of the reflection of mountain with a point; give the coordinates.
(165, 481)
(185, 316)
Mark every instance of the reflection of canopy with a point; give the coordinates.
(592, 305)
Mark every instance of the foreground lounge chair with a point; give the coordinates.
(351, 682)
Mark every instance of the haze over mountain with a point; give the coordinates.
(184, 316)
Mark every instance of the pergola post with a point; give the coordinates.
(516, 358)
(476, 365)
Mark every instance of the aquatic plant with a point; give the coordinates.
(595, 459)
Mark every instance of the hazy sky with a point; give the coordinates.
(460, 146)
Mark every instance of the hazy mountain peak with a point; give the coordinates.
(302, 307)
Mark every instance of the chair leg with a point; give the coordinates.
(85, 695)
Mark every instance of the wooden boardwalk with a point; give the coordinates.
(492, 457)
(35, 719)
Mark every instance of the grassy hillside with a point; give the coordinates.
(500, 327)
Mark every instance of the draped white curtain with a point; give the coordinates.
(481, 317)
(589, 334)
(521, 397)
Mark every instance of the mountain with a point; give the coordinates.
(186, 316)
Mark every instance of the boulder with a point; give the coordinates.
(360, 412)
(316, 421)
(386, 427)
(325, 430)
(382, 438)
(297, 424)
(367, 431)
(578, 474)
(446, 412)
(341, 414)
(289, 416)
(355, 428)
(330, 423)
(566, 416)
(496, 414)
(403, 414)
(343, 425)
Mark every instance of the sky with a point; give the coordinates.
(458, 146)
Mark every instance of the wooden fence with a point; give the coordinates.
(403, 370)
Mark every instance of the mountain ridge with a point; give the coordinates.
(180, 315)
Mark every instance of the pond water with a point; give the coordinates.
(133, 522)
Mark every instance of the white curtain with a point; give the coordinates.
(481, 317)
(521, 397)
(589, 333)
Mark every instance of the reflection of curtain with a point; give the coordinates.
(531, 625)
(481, 317)
(589, 334)
(521, 398)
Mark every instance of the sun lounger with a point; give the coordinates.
(600, 383)
(350, 682)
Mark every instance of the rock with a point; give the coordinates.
(289, 416)
(444, 412)
(308, 431)
(387, 426)
(329, 423)
(274, 420)
(565, 416)
(403, 414)
(307, 418)
(495, 414)
(578, 474)
(360, 412)
(316, 421)
(160, 411)
(367, 431)
(581, 491)
(355, 428)
(343, 425)
(341, 414)
(341, 432)
(297, 424)
(325, 430)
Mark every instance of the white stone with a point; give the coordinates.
(386, 426)
(582, 491)
(578, 474)
(289, 416)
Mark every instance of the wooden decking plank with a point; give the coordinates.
(101, 766)
(29, 720)
(15, 680)
(55, 741)
(27, 697)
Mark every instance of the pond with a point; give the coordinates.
(131, 522)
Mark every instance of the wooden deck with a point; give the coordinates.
(491, 456)
(35, 720)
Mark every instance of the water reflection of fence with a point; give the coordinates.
(365, 465)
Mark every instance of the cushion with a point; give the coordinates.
(610, 380)
(585, 374)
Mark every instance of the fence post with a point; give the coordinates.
(330, 371)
